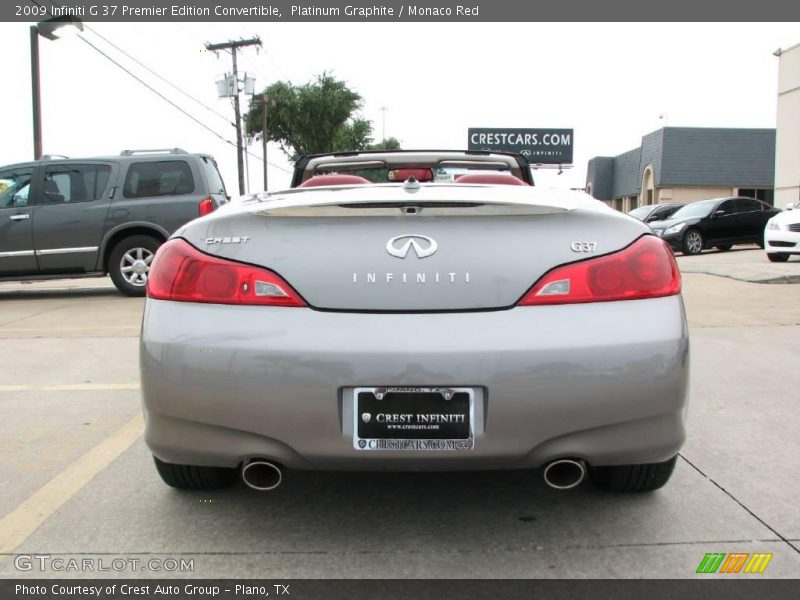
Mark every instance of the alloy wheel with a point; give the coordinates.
(135, 265)
(694, 242)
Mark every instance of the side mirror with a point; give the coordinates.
(719, 213)
(789, 205)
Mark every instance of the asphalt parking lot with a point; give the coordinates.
(78, 481)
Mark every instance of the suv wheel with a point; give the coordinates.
(693, 242)
(633, 478)
(130, 261)
(191, 477)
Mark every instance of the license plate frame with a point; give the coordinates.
(415, 438)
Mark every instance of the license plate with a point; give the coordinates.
(413, 418)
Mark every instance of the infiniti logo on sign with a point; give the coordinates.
(423, 245)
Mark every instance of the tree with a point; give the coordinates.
(313, 118)
(389, 143)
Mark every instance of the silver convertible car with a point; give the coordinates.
(429, 311)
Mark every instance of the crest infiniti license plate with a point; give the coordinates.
(413, 418)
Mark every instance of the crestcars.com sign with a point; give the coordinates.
(539, 146)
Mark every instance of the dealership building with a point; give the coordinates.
(684, 164)
(787, 159)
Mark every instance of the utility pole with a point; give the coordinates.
(264, 140)
(232, 46)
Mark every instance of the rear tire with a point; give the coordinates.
(777, 257)
(693, 242)
(129, 263)
(724, 247)
(191, 477)
(633, 478)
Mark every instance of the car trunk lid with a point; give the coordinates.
(466, 250)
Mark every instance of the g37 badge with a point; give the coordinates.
(583, 246)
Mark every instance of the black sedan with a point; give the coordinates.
(654, 212)
(719, 223)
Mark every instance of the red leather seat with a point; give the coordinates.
(490, 179)
(337, 179)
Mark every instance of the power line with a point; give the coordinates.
(159, 94)
(152, 89)
(165, 80)
(173, 104)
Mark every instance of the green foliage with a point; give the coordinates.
(387, 144)
(313, 118)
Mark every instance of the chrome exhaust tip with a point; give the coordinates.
(261, 475)
(565, 473)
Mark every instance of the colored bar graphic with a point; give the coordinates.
(713, 562)
(734, 563)
(758, 562)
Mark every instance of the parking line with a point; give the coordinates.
(69, 387)
(21, 522)
(65, 329)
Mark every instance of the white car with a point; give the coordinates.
(782, 234)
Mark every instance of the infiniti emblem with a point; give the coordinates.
(423, 245)
(366, 417)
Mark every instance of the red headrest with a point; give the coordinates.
(490, 179)
(337, 179)
(421, 175)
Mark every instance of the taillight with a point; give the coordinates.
(206, 207)
(645, 269)
(183, 273)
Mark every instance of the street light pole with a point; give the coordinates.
(36, 94)
(52, 29)
(383, 129)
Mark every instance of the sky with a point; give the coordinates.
(611, 83)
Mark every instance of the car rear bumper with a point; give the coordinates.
(605, 382)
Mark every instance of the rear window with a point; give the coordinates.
(399, 173)
(158, 178)
(215, 183)
(639, 213)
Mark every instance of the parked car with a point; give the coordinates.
(476, 324)
(88, 217)
(782, 234)
(654, 212)
(719, 223)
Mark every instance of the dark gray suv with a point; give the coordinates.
(90, 217)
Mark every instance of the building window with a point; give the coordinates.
(763, 194)
(648, 185)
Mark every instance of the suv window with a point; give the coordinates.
(158, 178)
(215, 183)
(74, 183)
(14, 187)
